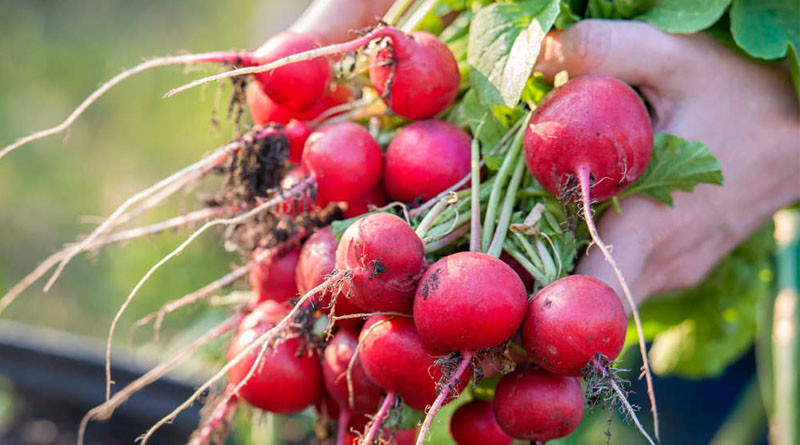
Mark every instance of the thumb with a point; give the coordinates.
(634, 52)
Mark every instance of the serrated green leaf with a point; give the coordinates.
(768, 29)
(700, 331)
(685, 16)
(566, 16)
(676, 165)
(504, 42)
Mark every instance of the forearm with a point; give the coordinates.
(332, 20)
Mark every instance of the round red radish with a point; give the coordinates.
(297, 132)
(301, 204)
(420, 73)
(424, 159)
(358, 206)
(468, 301)
(282, 382)
(394, 357)
(344, 160)
(474, 424)
(296, 86)
(263, 109)
(273, 278)
(316, 262)
(570, 321)
(591, 122)
(537, 406)
(336, 359)
(386, 259)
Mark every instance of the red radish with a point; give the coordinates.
(326, 406)
(474, 424)
(366, 395)
(344, 160)
(417, 76)
(265, 111)
(386, 259)
(466, 302)
(297, 86)
(592, 124)
(424, 159)
(572, 320)
(282, 382)
(537, 406)
(394, 357)
(290, 179)
(297, 132)
(588, 140)
(316, 262)
(524, 275)
(359, 206)
(273, 279)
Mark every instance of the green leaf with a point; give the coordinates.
(631, 8)
(478, 116)
(504, 42)
(566, 16)
(700, 331)
(685, 16)
(676, 165)
(768, 29)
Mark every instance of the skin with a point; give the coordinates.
(698, 89)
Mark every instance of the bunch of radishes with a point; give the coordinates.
(429, 293)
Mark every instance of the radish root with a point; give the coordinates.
(452, 383)
(585, 184)
(301, 187)
(376, 421)
(106, 409)
(222, 57)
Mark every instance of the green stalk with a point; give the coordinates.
(549, 265)
(508, 207)
(525, 262)
(526, 245)
(499, 182)
(475, 223)
(427, 222)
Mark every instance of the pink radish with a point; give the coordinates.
(572, 320)
(466, 302)
(273, 279)
(344, 160)
(395, 359)
(588, 140)
(386, 259)
(282, 382)
(474, 424)
(316, 262)
(426, 158)
(536, 406)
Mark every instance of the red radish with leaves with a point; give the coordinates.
(571, 321)
(353, 391)
(588, 140)
(273, 278)
(537, 406)
(282, 381)
(394, 357)
(425, 158)
(466, 302)
(474, 424)
(386, 259)
(316, 262)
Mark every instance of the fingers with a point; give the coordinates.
(634, 52)
(332, 20)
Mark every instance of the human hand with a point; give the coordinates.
(747, 113)
(332, 20)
